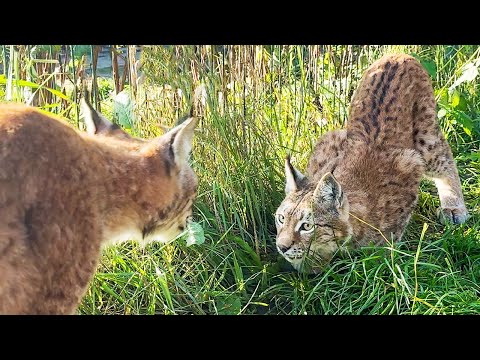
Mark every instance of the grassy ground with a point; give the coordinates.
(262, 103)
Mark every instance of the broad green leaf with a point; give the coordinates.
(229, 306)
(465, 121)
(123, 109)
(458, 101)
(431, 67)
(472, 156)
(195, 234)
(442, 96)
(462, 105)
(455, 99)
(3, 80)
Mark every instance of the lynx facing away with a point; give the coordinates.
(372, 169)
(64, 193)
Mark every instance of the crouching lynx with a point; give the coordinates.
(64, 193)
(371, 170)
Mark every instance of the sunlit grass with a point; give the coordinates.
(261, 104)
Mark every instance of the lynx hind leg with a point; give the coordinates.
(439, 163)
(18, 276)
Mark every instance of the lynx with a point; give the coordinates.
(66, 193)
(361, 183)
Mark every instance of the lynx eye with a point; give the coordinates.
(280, 218)
(307, 227)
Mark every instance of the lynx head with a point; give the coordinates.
(312, 221)
(155, 186)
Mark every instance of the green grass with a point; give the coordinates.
(238, 156)
(279, 100)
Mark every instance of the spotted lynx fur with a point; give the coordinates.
(64, 193)
(370, 171)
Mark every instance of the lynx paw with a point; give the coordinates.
(455, 215)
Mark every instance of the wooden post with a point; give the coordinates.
(131, 52)
(95, 51)
(115, 74)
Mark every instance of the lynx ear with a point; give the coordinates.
(181, 140)
(95, 122)
(293, 177)
(329, 191)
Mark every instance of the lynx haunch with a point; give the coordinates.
(366, 177)
(64, 193)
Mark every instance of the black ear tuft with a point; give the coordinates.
(182, 119)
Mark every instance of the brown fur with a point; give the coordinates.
(63, 193)
(372, 169)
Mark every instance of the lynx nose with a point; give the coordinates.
(282, 248)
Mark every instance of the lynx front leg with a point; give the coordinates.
(440, 165)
